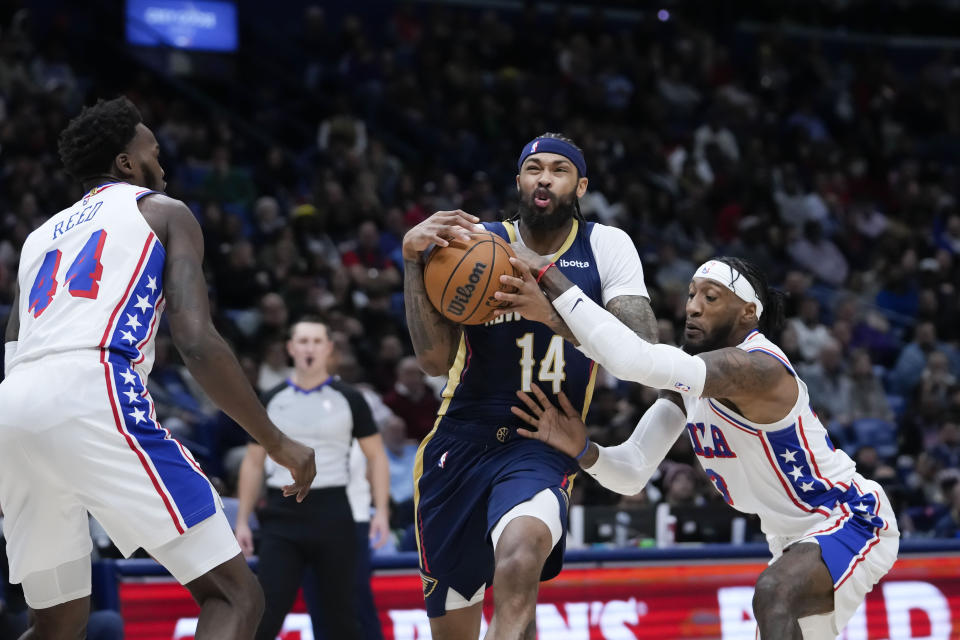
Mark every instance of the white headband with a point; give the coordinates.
(731, 279)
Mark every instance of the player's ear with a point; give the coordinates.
(518, 182)
(581, 187)
(123, 164)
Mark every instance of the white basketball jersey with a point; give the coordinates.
(788, 472)
(91, 277)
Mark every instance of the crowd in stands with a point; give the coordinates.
(832, 167)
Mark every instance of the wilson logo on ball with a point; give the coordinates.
(458, 304)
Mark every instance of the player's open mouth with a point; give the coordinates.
(309, 361)
(541, 198)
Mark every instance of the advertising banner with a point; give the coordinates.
(920, 598)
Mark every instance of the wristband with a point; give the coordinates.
(586, 446)
(544, 270)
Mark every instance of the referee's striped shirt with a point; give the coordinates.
(327, 418)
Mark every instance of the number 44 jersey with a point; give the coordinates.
(91, 278)
(510, 353)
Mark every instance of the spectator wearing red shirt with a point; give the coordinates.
(370, 270)
(412, 399)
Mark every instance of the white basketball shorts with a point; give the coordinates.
(79, 436)
(859, 544)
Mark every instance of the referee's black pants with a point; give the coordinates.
(319, 533)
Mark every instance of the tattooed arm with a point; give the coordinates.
(206, 354)
(435, 339)
(531, 303)
(636, 313)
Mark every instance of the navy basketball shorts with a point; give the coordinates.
(466, 478)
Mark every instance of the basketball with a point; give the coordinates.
(461, 278)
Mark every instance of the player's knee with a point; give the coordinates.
(771, 596)
(519, 565)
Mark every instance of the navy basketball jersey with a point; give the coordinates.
(496, 359)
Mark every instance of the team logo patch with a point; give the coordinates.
(503, 434)
(429, 584)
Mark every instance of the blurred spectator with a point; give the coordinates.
(412, 400)
(949, 525)
(369, 269)
(401, 454)
(908, 371)
(680, 486)
(819, 255)
(829, 384)
(811, 333)
(865, 397)
(274, 367)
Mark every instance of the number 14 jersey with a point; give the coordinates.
(510, 353)
(91, 277)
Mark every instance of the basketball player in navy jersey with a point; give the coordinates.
(491, 507)
(77, 428)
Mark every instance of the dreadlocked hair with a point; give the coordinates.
(576, 201)
(94, 138)
(771, 321)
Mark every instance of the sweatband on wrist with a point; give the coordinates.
(586, 446)
(623, 353)
(544, 270)
(9, 352)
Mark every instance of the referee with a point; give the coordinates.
(325, 414)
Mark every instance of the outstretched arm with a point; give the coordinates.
(758, 383)
(206, 354)
(530, 302)
(624, 468)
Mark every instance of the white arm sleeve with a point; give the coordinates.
(627, 467)
(625, 354)
(9, 351)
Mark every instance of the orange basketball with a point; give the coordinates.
(461, 278)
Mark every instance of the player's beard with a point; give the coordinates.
(537, 220)
(718, 338)
(152, 179)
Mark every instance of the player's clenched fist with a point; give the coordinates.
(439, 229)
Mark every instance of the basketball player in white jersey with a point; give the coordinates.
(78, 430)
(831, 531)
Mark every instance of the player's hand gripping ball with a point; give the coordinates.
(461, 278)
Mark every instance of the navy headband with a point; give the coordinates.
(554, 145)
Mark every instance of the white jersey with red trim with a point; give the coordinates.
(787, 472)
(91, 277)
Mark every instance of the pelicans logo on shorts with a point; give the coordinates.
(502, 434)
(429, 584)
